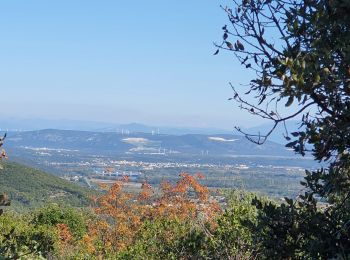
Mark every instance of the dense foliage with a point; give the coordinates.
(300, 54)
(21, 239)
(179, 221)
(42, 233)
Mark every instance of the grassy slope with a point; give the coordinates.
(29, 188)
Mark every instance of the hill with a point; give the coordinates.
(30, 188)
(113, 143)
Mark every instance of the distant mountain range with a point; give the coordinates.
(14, 124)
(113, 143)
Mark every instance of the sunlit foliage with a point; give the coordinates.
(122, 214)
(300, 54)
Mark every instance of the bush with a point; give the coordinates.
(53, 214)
(21, 239)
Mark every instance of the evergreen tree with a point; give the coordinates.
(300, 53)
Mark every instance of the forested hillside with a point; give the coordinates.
(29, 188)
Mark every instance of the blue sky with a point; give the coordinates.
(118, 61)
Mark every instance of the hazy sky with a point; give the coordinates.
(118, 61)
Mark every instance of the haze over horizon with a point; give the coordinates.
(113, 61)
(25, 124)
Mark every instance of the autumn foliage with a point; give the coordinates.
(64, 233)
(179, 220)
(122, 214)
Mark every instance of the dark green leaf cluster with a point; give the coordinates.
(19, 239)
(53, 214)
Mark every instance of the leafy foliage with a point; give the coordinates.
(178, 221)
(50, 232)
(68, 218)
(123, 214)
(20, 239)
(231, 237)
(162, 231)
(300, 52)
